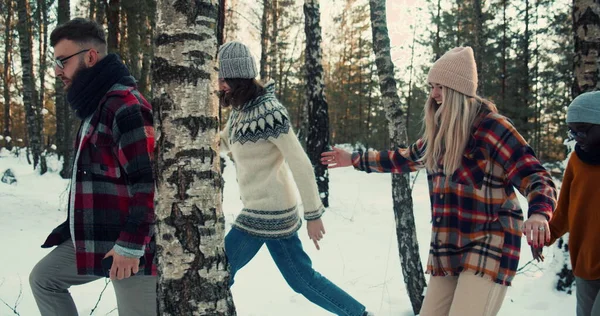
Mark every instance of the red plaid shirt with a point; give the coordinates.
(476, 217)
(114, 198)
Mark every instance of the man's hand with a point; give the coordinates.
(122, 267)
(316, 230)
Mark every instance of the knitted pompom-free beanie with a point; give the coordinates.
(457, 70)
(236, 61)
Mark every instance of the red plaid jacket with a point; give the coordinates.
(114, 198)
(476, 217)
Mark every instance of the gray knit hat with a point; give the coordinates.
(236, 61)
(585, 108)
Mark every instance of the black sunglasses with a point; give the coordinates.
(573, 134)
(60, 62)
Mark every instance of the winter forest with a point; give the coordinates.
(351, 73)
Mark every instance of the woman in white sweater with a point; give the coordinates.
(260, 140)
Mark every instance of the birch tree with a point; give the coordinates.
(408, 246)
(8, 34)
(193, 274)
(64, 116)
(318, 116)
(30, 93)
(586, 28)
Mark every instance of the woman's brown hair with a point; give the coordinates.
(241, 92)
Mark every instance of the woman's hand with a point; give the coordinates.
(316, 230)
(537, 230)
(336, 158)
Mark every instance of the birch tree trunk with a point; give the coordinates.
(318, 116)
(30, 94)
(586, 28)
(193, 269)
(408, 246)
(264, 40)
(65, 121)
(479, 41)
(8, 32)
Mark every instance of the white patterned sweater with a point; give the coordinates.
(261, 140)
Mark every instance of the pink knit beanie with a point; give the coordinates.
(457, 70)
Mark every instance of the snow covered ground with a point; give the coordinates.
(359, 251)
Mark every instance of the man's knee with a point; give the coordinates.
(41, 278)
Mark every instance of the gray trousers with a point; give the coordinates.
(588, 297)
(52, 277)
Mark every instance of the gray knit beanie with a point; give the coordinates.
(585, 108)
(236, 61)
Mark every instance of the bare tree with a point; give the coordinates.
(318, 131)
(65, 120)
(408, 246)
(7, 78)
(193, 274)
(30, 93)
(264, 39)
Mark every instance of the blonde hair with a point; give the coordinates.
(448, 127)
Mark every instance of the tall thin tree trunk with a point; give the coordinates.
(479, 42)
(524, 117)
(504, 49)
(30, 94)
(273, 63)
(193, 269)
(92, 9)
(437, 50)
(131, 8)
(408, 246)
(318, 116)
(410, 84)
(43, 42)
(221, 23)
(264, 40)
(114, 19)
(8, 32)
(586, 27)
(65, 120)
(101, 11)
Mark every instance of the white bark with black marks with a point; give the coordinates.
(408, 246)
(193, 270)
(30, 93)
(318, 116)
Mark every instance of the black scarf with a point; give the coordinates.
(91, 84)
(589, 157)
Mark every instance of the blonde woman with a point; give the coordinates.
(474, 159)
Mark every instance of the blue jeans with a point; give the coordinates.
(588, 297)
(296, 268)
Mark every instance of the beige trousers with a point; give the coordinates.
(464, 295)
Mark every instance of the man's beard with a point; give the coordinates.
(80, 67)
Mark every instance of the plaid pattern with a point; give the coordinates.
(476, 217)
(114, 198)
